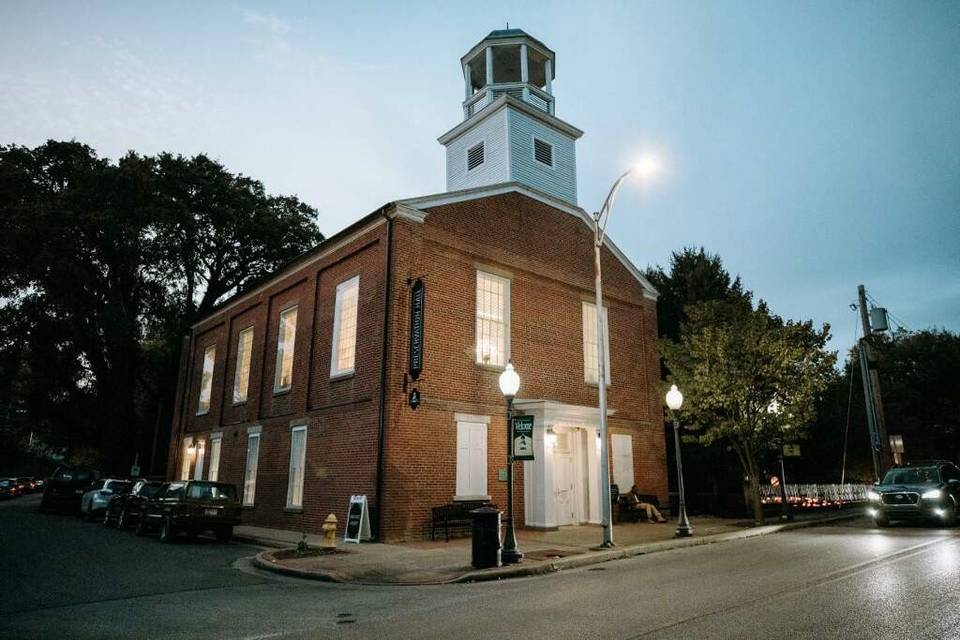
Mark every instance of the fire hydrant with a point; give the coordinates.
(329, 533)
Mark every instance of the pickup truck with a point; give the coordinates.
(192, 507)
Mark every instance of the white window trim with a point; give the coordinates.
(466, 156)
(553, 152)
(303, 465)
(213, 469)
(506, 321)
(279, 360)
(252, 432)
(238, 368)
(335, 346)
(606, 342)
(485, 423)
(213, 370)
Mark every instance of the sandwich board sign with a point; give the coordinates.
(358, 520)
(523, 438)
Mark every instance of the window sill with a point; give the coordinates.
(248, 507)
(293, 509)
(490, 367)
(201, 413)
(239, 403)
(343, 375)
(281, 392)
(470, 498)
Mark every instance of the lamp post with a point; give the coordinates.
(600, 218)
(674, 402)
(785, 512)
(509, 385)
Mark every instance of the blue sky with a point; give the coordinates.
(813, 145)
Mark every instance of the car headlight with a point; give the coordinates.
(873, 496)
(933, 494)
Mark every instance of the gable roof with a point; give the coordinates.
(475, 193)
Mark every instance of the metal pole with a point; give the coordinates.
(511, 552)
(684, 530)
(607, 511)
(785, 513)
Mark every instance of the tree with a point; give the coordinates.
(694, 276)
(750, 379)
(103, 266)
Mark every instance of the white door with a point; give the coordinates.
(566, 501)
(471, 460)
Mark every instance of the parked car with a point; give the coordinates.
(929, 490)
(95, 500)
(29, 485)
(123, 509)
(41, 484)
(9, 488)
(67, 486)
(191, 507)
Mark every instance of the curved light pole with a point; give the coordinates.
(600, 219)
(674, 402)
(509, 385)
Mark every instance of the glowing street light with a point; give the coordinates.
(509, 385)
(674, 402)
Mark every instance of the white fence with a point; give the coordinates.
(816, 495)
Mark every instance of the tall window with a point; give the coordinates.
(493, 319)
(298, 459)
(241, 378)
(215, 442)
(345, 327)
(186, 460)
(206, 380)
(471, 460)
(250, 470)
(286, 337)
(590, 344)
(198, 468)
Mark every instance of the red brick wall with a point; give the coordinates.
(548, 256)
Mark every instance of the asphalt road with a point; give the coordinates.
(62, 578)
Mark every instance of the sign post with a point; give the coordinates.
(523, 438)
(358, 520)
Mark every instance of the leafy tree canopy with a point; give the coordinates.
(104, 265)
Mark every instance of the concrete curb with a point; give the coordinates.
(262, 561)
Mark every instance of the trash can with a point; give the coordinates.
(486, 538)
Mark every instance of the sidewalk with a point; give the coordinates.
(439, 562)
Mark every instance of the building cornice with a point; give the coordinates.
(503, 102)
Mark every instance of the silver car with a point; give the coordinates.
(96, 499)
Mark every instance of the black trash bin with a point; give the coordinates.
(486, 538)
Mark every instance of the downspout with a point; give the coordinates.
(381, 418)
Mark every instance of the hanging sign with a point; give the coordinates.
(414, 399)
(523, 438)
(791, 450)
(417, 300)
(358, 520)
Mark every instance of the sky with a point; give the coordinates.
(813, 145)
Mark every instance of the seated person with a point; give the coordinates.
(635, 503)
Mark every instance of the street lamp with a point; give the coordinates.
(785, 513)
(509, 385)
(645, 167)
(674, 402)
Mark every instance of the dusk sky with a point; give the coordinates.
(813, 145)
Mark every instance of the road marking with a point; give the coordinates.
(834, 576)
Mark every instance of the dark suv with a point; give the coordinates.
(124, 509)
(66, 488)
(191, 506)
(929, 490)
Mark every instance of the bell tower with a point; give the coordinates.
(509, 131)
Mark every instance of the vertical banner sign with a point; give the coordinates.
(416, 329)
(523, 438)
(358, 520)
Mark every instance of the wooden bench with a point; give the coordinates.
(628, 513)
(455, 515)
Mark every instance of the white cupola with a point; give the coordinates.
(509, 132)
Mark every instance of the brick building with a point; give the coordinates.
(298, 390)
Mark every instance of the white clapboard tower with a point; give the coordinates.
(509, 132)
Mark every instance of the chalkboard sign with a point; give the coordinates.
(358, 520)
(417, 299)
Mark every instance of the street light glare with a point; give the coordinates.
(509, 381)
(674, 398)
(647, 166)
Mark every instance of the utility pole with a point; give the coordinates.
(879, 443)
